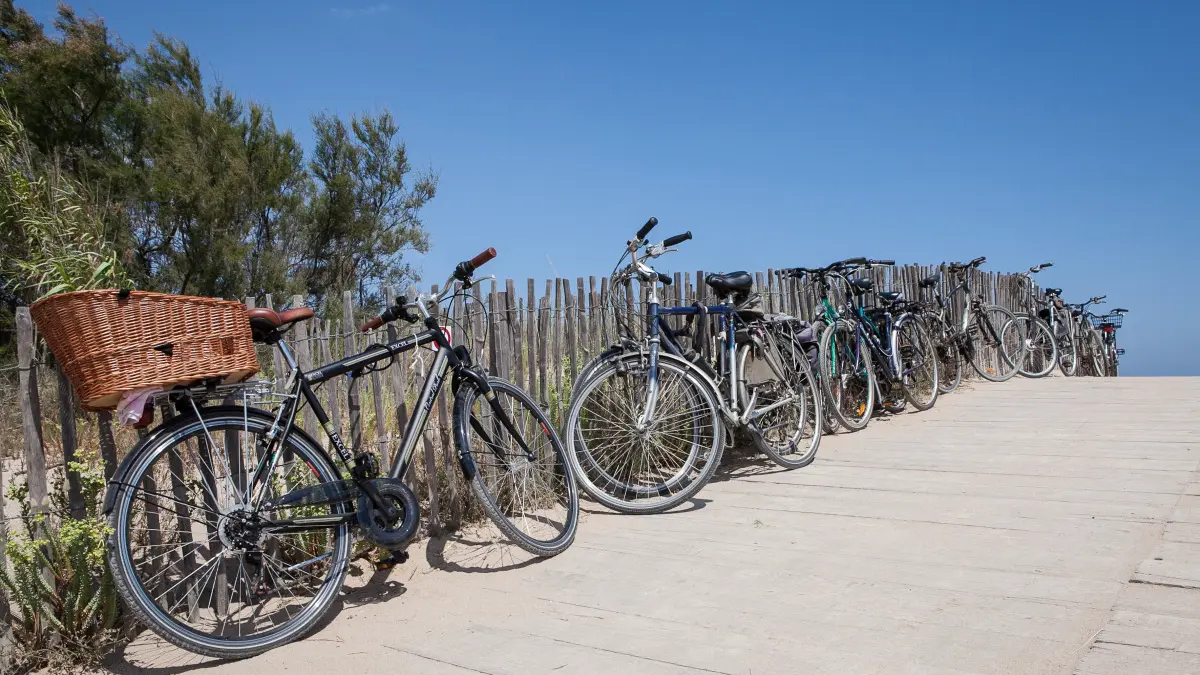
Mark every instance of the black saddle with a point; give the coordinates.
(861, 286)
(929, 282)
(891, 296)
(1053, 291)
(730, 284)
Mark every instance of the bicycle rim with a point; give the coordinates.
(523, 480)
(648, 470)
(847, 376)
(185, 562)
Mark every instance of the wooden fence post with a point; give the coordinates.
(354, 389)
(70, 442)
(31, 414)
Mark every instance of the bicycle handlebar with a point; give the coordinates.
(677, 239)
(462, 272)
(641, 234)
(955, 267)
(1120, 310)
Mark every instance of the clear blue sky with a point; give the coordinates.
(779, 133)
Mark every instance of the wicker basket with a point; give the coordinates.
(112, 342)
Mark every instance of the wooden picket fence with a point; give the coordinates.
(539, 335)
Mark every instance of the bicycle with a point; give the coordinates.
(1089, 342)
(231, 526)
(935, 315)
(848, 398)
(901, 349)
(988, 335)
(646, 427)
(1041, 343)
(1108, 325)
(862, 357)
(1057, 315)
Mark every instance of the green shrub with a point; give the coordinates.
(64, 608)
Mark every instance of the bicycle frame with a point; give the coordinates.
(300, 386)
(661, 336)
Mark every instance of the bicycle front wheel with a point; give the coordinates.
(1041, 349)
(522, 478)
(1068, 352)
(634, 468)
(193, 555)
(997, 344)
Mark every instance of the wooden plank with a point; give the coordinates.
(304, 358)
(515, 334)
(381, 440)
(354, 386)
(597, 341)
(329, 338)
(31, 414)
(544, 349)
(570, 321)
(581, 321)
(70, 442)
(108, 444)
(606, 331)
(531, 324)
(450, 462)
(772, 302)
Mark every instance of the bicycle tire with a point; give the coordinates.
(131, 588)
(924, 353)
(862, 406)
(628, 493)
(1041, 347)
(550, 457)
(1068, 350)
(996, 363)
(803, 384)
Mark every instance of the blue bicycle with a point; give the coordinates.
(647, 423)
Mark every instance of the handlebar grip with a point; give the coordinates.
(372, 324)
(641, 234)
(482, 258)
(1046, 265)
(677, 239)
(853, 261)
(1121, 310)
(883, 262)
(666, 280)
(979, 261)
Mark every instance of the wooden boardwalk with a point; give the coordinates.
(1045, 526)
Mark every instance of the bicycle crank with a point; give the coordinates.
(384, 532)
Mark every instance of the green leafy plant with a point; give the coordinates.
(62, 243)
(58, 585)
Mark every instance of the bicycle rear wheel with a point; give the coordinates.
(1041, 348)
(847, 375)
(997, 344)
(189, 551)
(523, 481)
(1093, 354)
(634, 469)
(786, 422)
(918, 363)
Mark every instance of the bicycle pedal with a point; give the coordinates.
(395, 558)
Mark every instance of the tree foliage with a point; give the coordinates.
(196, 189)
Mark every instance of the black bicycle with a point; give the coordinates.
(231, 526)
